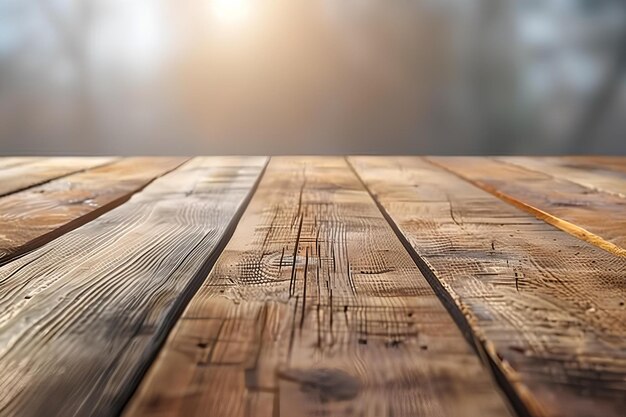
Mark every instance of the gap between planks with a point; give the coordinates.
(315, 308)
(578, 222)
(481, 348)
(83, 316)
(594, 176)
(33, 217)
(24, 173)
(549, 308)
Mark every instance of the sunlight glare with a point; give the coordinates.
(231, 11)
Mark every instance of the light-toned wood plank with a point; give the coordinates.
(11, 161)
(315, 309)
(82, 317)
(20, 176)
(596, 217)
(595, 177)
(33, 217)
(548, 307)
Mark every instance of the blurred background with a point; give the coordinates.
(312, 76)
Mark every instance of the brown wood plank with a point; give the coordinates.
(33, 217)
(596, 217)
(315, 309)
(82, 317)
(20, 176)
(549, 308)
(595, 177)
(614, 163)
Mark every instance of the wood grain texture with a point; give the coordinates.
(549, 308)
(33, 217)
(315, 309)
(594, 216)
(586, 173)
(20, 174)
(82, 317)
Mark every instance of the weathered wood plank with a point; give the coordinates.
(548, 307)
(614, 163)
(33, 217)
(596, 217)
(315, 309)
(593, 176)
(82, 317)
(11, 161)
(19, 176)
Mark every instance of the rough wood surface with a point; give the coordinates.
(83, 316)
(315, 309)
(587, 173)
(576, 209)
(19, 174)
(549, 308)
(33, 217)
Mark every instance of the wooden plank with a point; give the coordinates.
(593, 176)
(596, 217)
(315, 309)
(82, 317)
(33, 217)
(11, 161)
(549, 308)
(614, 163)
(20, 176)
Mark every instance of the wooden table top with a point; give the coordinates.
(313, 286)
